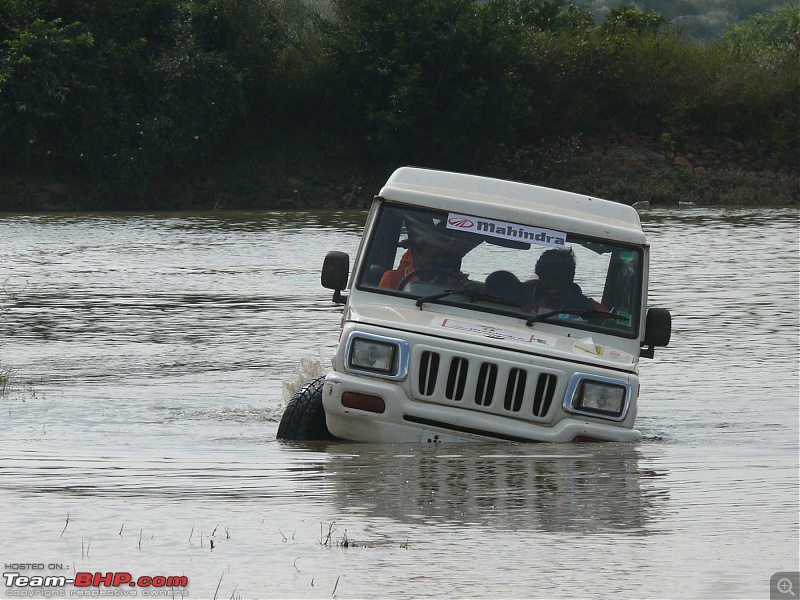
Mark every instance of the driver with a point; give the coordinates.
(428, 262)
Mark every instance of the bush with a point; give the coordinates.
(39, 70)
(421, 79)
(123, 92)
(625, 73)
(753, 93)
(634, 72)
(120, 91)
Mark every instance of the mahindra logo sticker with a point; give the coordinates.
(507, 231)
(461, 222)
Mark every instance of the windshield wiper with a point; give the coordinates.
(471, 294)
(589, 313)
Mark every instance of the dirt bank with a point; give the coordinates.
(625, 168)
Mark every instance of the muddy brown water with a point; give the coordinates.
(149, 356)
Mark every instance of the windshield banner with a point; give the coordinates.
(507, 231)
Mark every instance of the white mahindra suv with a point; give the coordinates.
(482, 309)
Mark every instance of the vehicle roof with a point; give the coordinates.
(515, 202)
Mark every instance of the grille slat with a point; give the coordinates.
(515, 390)
(428, 372)
(545, 389)
(456, 378)
(487, 379)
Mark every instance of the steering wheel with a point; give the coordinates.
(440, 273)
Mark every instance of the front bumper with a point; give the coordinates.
(406, 420)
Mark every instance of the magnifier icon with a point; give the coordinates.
(785, 587)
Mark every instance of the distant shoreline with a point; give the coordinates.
(624, 168)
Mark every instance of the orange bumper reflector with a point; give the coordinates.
(363, 402)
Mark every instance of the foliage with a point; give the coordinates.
(117, 89)
(752, 83)
(636, 72)
(626, 20)
(417, 78)
(702, 20)
(39, 68)
(545, 15)
(780, 28)
(127, 91)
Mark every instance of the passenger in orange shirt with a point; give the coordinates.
(431, 261)
(556, 288)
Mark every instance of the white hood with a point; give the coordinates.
(542, 339)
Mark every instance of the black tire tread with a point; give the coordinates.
(304, 417)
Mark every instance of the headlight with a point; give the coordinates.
(373, 356)
(597, 396)
(601, 397)
(376, 355)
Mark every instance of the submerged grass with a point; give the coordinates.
(5, 374)
(5, 371)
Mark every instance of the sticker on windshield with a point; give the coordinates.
(507, 231)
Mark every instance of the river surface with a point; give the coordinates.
(150, 356)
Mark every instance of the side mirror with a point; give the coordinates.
(657, 330)
(335, 271)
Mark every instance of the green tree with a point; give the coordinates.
(40, 67)
(753, 83)
(118, 89)
(428, 79)
(590, 79)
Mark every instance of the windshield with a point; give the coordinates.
(508, 268)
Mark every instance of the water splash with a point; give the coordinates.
(308, 368)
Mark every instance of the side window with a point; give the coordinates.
(384, 253)
(622, 281)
